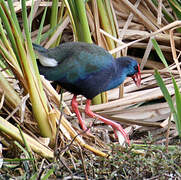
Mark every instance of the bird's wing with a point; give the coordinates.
(77, 66)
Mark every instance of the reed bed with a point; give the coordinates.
(142, 111)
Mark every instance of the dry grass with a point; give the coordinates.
(141, 110)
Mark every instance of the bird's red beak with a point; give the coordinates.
(137, 77)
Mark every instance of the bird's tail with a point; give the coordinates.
(39, 49)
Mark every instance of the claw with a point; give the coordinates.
(121, 138)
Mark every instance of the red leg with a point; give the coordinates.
(115, 126)
(76, 110)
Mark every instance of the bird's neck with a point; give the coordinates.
(118, 76)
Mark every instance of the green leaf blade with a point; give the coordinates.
(166, 94)
(178, 106)
(159, 52)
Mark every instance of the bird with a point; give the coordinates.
(87, 69)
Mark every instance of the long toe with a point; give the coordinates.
(122, 136)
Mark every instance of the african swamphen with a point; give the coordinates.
(86, 69)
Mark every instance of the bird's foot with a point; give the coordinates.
(121, 135)
(85, 128)
(118, 130)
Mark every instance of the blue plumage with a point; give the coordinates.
(86, 69)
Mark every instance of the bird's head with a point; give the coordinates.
(132, 69)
